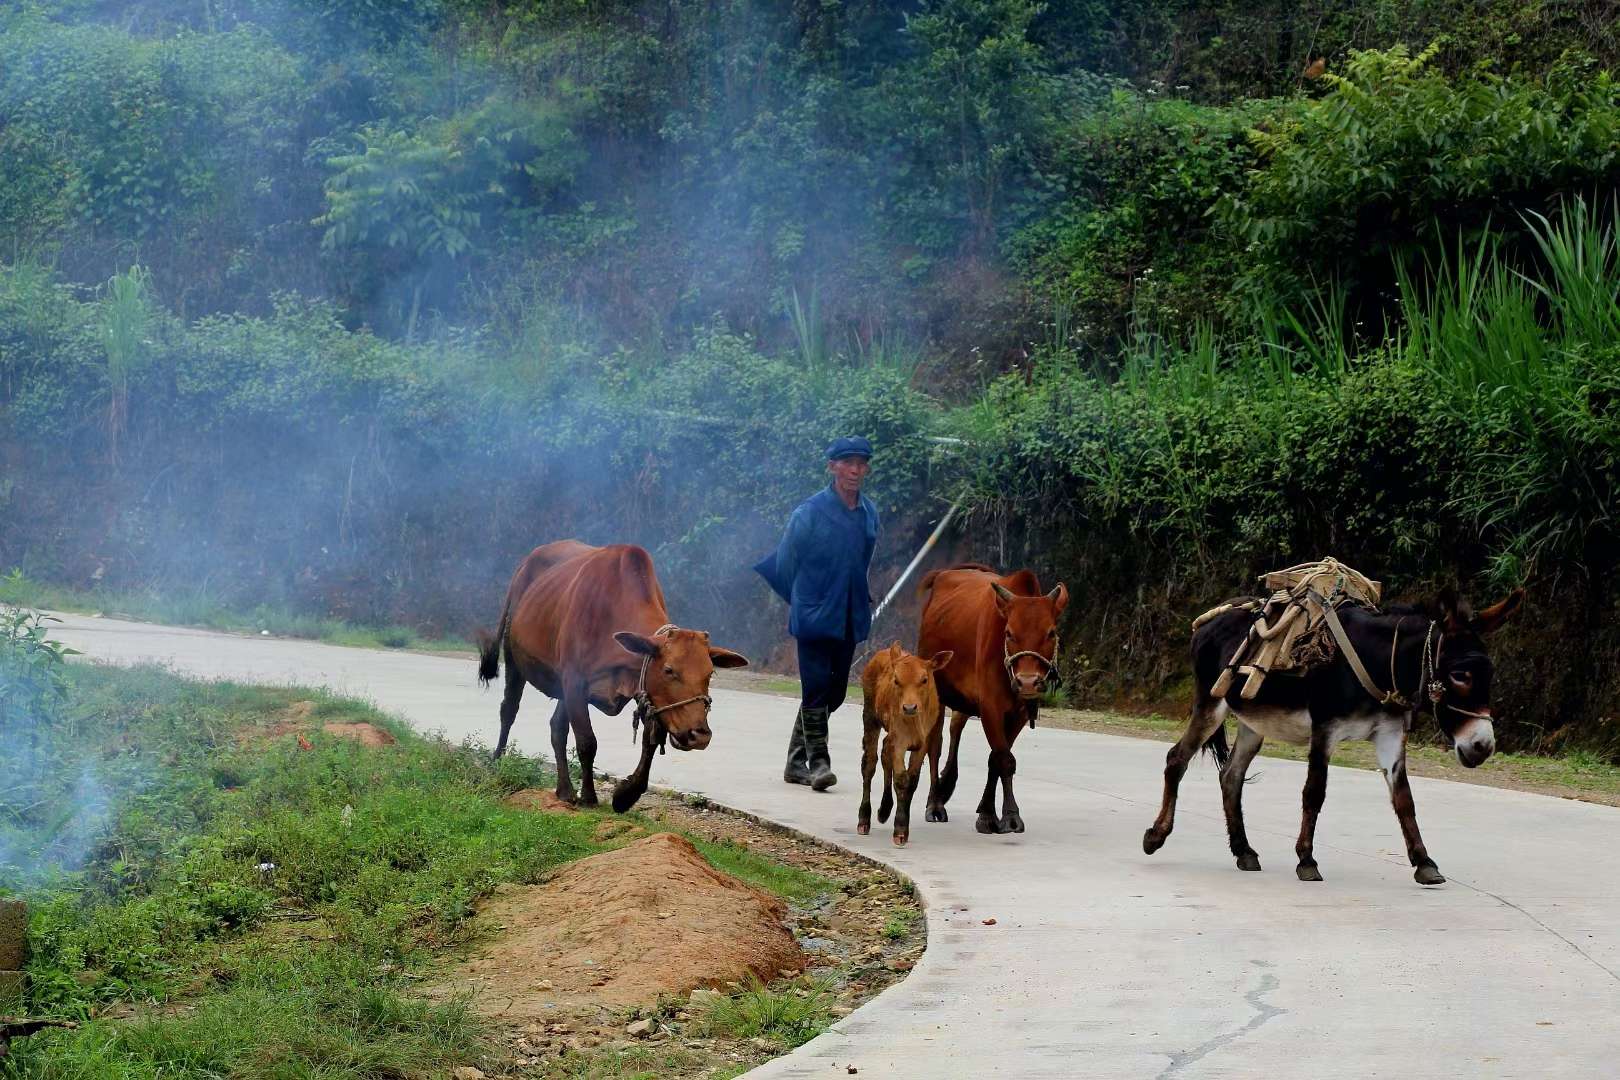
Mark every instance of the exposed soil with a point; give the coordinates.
(615, 954)
(295, 721)
(630, 926)
(538, 799)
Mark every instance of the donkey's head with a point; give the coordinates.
(1461, 687)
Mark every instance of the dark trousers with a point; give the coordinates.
(824, 672)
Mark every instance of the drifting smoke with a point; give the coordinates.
(408, 291)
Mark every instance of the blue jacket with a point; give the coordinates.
(820, 568)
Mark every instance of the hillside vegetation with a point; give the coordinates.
(342, 307)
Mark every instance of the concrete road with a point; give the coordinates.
(1104, 962)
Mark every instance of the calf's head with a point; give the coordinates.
(679, 664)
(1461, 687)
(907, 692)
(1030, 642)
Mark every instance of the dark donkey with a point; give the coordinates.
(1414, 661)
(1001, 632)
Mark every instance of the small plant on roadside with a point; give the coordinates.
(789, 1013)
(898, 924)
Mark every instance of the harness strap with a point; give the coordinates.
(1393, 696)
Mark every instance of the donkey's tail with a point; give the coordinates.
(489, 647)
(1216, 745)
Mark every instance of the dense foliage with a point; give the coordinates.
(344, 306)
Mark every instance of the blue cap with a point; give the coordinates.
(849, 446)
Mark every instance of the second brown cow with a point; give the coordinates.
(1003, 632)
(901, 705)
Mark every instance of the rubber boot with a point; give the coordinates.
(797, 770)
(814, 723)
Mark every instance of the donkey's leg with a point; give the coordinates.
(579, 719)
(509, 703)
(869, 752)
(1206, 716)
(559, 749)
(1011, 820)
(1390, 741)
(940, 793)
(1315, 792)
(935, 811)
(1249, 742)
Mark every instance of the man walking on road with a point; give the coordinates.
(820, 568)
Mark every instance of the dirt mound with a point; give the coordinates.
(538, 799)
(363, 733)
(626, 926)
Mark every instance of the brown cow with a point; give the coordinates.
(1003, 633)
(587, 626)
(900, 699)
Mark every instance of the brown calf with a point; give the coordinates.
(901, 702)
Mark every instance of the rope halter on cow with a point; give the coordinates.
(648, 713)
(1008, 659)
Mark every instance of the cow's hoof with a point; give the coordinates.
(624, 799)
(863, 827)
(590, 801)
(569, 797)
(1248, 861)
(1429, 875)
(936, 813)
(1308, 873)
(985, 823)
(1152, 841)
(1010, 823)
(900, 839)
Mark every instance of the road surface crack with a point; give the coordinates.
(1263, 1011)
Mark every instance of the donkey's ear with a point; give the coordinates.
(635, 643)
(726, 658)
(1455, 613)
(1489, 620)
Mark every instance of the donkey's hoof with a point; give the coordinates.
(1429, 875)
(936, 813)
(1250, 861)
(1010, 823)
(985, 823)
(1152, 841)
(1308, 873)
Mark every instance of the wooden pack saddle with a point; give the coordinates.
(1290, 632)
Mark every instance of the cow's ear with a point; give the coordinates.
(895, 651)
(941, 659)
(635, 643)
(1059, 597)
(1489, 620)
(1003, 596)
(1454, 611)
(727, 658)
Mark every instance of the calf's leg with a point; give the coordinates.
(1207, 715)
(1316, 775)
(908, 770)
(1390, 742)
(887, 805)
(1248, 745)
(869, 750)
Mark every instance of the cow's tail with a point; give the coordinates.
(489, 647)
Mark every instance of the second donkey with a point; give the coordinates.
(902, 702)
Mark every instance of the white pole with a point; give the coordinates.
(928, 545)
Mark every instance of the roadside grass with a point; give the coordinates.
(240, 906)
(198, 610)
(789, 1014)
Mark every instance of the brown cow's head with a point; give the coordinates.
(679, 666)
(1462, 676)
(1030, 644)
(910, 692)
